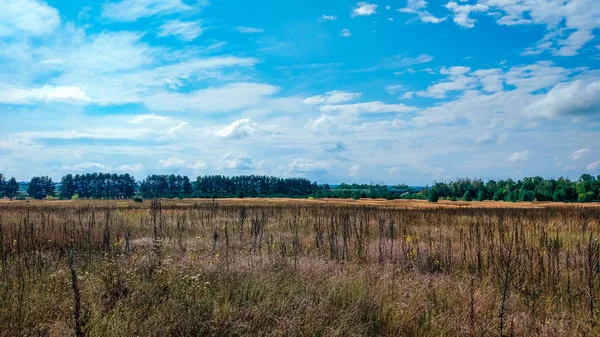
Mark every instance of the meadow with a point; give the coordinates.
(298, 268)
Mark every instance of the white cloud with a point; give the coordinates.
(143, 119)
(249, 30)
(369, 107)
(570, 24)
(17, 95)
(186, 31)
(328, 17)
(198, 166)
(454, 71)
(127, 168)
(170, 163)
(241, 128)
(576, 98)
(233, 162)
(576, 155)
(132, 10)
(461, 13)
(87, 166)
(394, 89)
(593, 166)
(456, 83)
(303, 165)
(519, 156)
(345, 33)
(407, 95)
(398, 61)
(364, 9)
(418, 7)
(332, 97)
(354, 171)
(226, 98)
(178, 128)
(32, 17)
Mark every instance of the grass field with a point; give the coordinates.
(282, 267)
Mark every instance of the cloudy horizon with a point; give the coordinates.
(345, 91)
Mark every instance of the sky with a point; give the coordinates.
(337, 91)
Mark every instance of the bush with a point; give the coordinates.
(138, 199)
(586, 197)
(75, 197)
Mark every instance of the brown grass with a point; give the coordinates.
(298, 268)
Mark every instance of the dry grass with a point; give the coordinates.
(298, 268)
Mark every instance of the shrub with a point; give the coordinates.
(138, 199)
(75, 197)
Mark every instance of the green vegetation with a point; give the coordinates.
(98, 186)
(585, 189)
(124, 186)
(8, 188)
(296, 268)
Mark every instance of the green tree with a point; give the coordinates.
(67, 187)
(40, 187)
(433, 194)
(2, 185)
(12, 188)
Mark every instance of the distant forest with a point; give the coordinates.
(125, 186)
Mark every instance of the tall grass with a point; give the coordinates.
(296, 269)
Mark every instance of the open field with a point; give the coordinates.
(285, 267)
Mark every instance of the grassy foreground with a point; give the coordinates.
(296, 269)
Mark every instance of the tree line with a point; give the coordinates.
(124, 186)
(8, 189)
(218, 186)
(585, 189)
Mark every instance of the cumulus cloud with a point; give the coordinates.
(345, 32)
(519, 156)
(576, 155)
(461, 13)
(576, 98)
(171, 163)
(233, 162)
(354, 171)
(31, 17)
(18, 95)
(570, 24)
(332, 97)
(364, 9)
(241, 128)
(87, 166)
(130, 168)
(303, 165)
(186, 31)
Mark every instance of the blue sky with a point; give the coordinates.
(382, 91)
